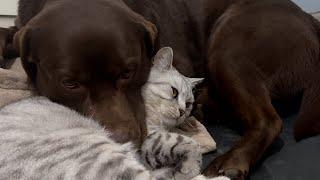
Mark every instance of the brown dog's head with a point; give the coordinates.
(93, 58)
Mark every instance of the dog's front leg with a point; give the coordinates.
(241, 87)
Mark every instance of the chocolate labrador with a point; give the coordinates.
(94, 56)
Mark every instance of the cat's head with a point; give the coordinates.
(168, 94)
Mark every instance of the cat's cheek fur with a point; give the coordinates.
(185, 116)
(170, 110)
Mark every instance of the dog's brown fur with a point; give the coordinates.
(249, 51)
(69, 56)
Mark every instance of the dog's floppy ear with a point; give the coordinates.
(151, 33)
(23, 44)
(151, 37)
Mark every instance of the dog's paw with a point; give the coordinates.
(230, 164)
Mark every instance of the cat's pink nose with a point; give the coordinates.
(182, 112)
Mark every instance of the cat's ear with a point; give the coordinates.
(196, 81)
(163, 59)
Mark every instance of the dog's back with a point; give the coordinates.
(28, 9)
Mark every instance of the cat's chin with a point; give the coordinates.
(170, 123)
(173, 123)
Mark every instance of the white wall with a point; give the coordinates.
(8, 7)
(317, 16)
(6, 21)
(309, 5)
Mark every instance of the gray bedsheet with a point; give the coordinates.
(284, 160)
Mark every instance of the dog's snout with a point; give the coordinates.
(123, 116)
(121, 135)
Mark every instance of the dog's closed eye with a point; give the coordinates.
(70, 84)
(129, 72)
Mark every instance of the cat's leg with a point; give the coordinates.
(181, 153)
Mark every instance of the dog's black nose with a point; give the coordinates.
(182, 112)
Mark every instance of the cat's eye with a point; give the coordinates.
(175, 92)
(188, 104)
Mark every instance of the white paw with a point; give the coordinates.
(219, 178)
(201, 177)
(191, 167)
(188, 170)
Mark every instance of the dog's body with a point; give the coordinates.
(249, 51)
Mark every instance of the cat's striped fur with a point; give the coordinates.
(43, 140)
(40, 139)
(181, 153)
(168, 99)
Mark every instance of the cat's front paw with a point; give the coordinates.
(189, 159)
(187, 172)
(164, 149)
(201, 177)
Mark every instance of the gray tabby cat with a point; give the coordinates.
(40, 139)
(167, 94)
(168, 98)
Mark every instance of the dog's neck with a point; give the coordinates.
(184, 26)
